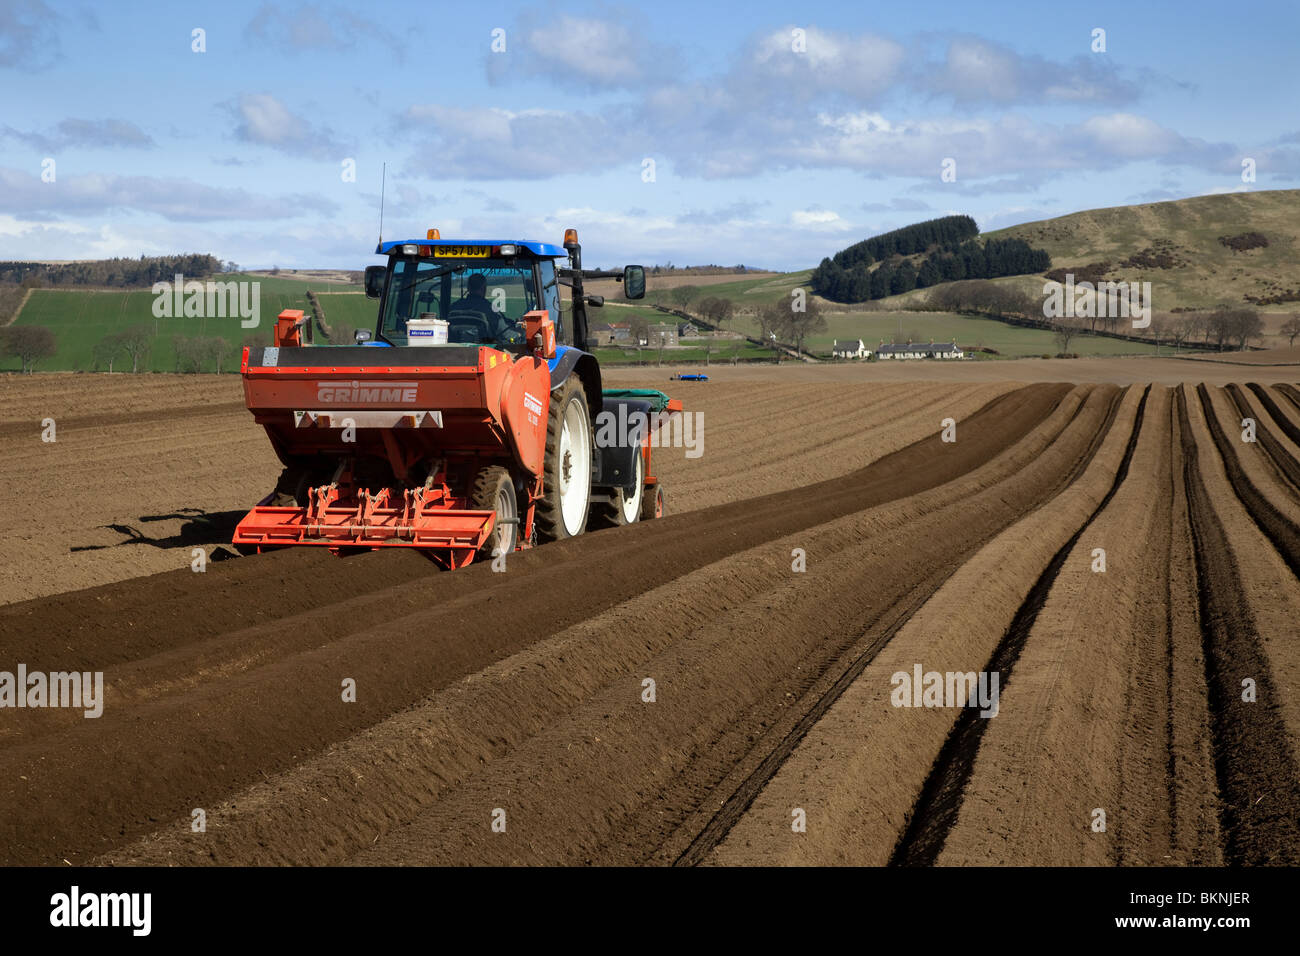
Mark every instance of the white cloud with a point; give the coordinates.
(265, 121)
(512, 144)
(583, 52)
(92, 134)
(314, 27)
(822, 220)
(977, 70)
(860, 66)
(176, 199)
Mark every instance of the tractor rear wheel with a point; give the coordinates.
(495, 491)
(625, 508)
(566, 480)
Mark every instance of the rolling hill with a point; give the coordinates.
(1176, 247)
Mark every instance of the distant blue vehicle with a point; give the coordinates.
(694, 377)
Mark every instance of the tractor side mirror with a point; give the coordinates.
(362, 336)
(375, 281)
(634, 282)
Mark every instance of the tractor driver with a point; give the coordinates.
(476, 301)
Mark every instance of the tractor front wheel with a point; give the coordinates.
(652, 503)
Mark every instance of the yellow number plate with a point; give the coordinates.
(463, 252)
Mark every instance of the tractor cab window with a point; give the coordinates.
(551, 297)
(482, 300)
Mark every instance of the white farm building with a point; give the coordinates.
(914, 350)
(850, 348)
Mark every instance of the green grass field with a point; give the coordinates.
(351, 311)
(81, 319)
(1010, 341)
(745, 293)
(291, 286)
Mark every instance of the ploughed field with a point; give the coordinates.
(679, 692)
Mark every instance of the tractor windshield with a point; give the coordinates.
(482, 300)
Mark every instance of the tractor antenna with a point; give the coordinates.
(382, 183)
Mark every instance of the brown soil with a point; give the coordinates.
(523, 696)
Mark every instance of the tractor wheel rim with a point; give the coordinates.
(506, 536)
(632, 504)
(575, 480)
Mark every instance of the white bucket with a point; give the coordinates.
(426, 332)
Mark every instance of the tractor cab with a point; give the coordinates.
(482, 292)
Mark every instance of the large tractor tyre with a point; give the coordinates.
(652, 504)
(495, 491)
(566, 480)
(625, 508)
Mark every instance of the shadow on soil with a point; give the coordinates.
(200, 528)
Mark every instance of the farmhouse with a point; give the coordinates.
(662, 334)
(850, 348)
(601, 333)
(918, 351)
(620, 333)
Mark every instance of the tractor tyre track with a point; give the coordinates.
(848, 670)
(1254, 763)
(1284, 465)
(941, 797)
(1284, 535)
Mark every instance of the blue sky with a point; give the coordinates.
(770, 147)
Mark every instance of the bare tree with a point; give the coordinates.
(716, 310)
(1180, 329)
(1219, 326)
(639, 328)
(188, 353)
(1291, 329)
(29, 344)
(801, 324)
(1244, 325)
(1063, 333)
(771, 322)
(683, 295)
(136, 342)
(1199, 324)
(217, 349)
(107, 350)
